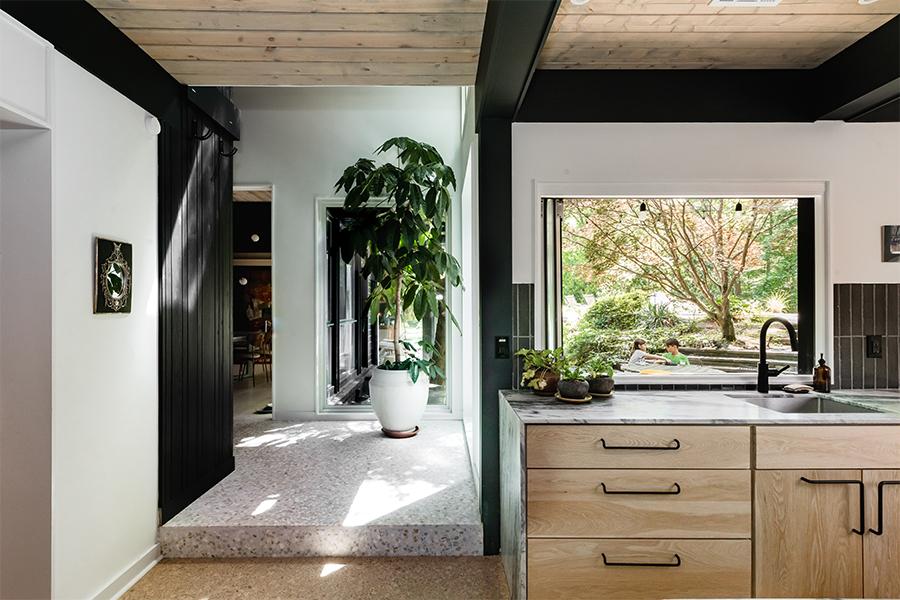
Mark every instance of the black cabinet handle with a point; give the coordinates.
(672, 492)
(668, 446)
(608, 563)
(862, 497)
(881, 485)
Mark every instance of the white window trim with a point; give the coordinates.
(818, 190)
(451, 411)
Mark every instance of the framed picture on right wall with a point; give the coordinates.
(890, 243)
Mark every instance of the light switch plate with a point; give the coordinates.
(501, 347)
(874, 346)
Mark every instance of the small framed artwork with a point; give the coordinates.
(112, 276)
(890, 243)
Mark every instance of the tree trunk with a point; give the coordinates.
(440, 338)
(726, 322)
(398, 315)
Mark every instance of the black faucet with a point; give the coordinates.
(763, 371)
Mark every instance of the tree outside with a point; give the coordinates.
(692, 268)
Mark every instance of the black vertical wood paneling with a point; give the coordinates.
(195, 326)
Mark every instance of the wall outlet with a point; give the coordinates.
(874, 346)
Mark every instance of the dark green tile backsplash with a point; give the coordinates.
(862, 309)
(522, 324)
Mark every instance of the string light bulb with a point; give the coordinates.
(738, 207)
(643, 213)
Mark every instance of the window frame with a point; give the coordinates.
(813, 281)
(450, 410)
(365, 335)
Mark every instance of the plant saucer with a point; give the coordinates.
(584, 400)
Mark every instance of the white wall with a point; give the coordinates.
(104, 372)
(25, 347)
(300, 140)
(859, 164)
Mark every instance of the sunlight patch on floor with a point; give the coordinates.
(265, 505)
(330, 568)
(376, 498)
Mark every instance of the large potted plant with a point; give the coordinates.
(395, 220)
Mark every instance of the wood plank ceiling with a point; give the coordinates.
(306, 42)
(691, 34)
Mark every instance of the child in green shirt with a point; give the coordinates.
(673, 355)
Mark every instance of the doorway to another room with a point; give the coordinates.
(252, 302)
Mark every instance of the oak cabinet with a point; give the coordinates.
(630, 503)
(694, 511)
(818, 534)
(637, 512)
(804, 544)
(638, 569)
(881, 544)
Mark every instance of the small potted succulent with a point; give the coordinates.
(573, 383)
(540, 370)
(600, 377)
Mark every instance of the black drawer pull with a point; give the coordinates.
(862, 497)
(881, 485)
(606, 562)
(669, 446)
(672, 492)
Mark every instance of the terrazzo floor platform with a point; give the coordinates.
(408, 578)
(337, 488)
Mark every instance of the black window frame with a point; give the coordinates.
(551, 211)
(365, 335)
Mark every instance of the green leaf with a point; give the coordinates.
(419, 305)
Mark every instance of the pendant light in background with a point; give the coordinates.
(738, 207)
(643, 212)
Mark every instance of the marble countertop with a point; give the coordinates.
(698, 407)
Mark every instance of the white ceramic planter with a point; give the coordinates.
(398, 402)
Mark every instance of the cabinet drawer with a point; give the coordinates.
(573, 569)
(637, 447)
(690, 504)
(834, 447)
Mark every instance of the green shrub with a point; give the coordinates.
(619, 311)
(659, 315)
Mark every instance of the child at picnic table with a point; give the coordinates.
(640, 356)
(673, 355)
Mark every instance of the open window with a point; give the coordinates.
(702, 272)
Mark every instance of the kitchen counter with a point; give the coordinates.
(555, 524)
(697, 407)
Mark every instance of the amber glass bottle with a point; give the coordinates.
(822, 376)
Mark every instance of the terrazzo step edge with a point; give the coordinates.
(261, 541)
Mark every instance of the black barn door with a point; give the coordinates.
(195, 325)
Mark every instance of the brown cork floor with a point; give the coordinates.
(406, 578)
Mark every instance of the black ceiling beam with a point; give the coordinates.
(667, 96)
(861, 83)
(861, 78)
(514, 33)
(78, 30)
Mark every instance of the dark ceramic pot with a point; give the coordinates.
(551, 381)
(602, 386)
(576, 389)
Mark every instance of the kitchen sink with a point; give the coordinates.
(786, 403)
(754, 396)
